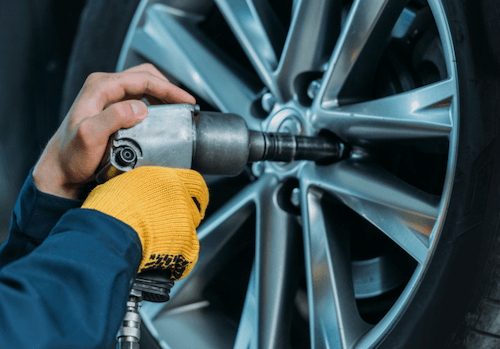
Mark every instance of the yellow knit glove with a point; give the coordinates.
(164, 206)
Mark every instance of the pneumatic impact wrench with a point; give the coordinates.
(181, 136)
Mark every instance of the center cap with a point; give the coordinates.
(286, 121)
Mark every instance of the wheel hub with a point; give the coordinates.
(286, 120)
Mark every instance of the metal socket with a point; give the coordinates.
(222, 143)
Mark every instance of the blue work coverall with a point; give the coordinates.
(65, 273)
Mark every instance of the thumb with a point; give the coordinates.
(117, 116)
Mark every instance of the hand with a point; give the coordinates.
(106, 103)
(164, 206)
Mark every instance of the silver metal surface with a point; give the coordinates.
(166, 33)
(129, 333)
(376, 276)
(166, 137)
(335, 321)
(403, 23)
(268, 101)
(360, 43)
(422, 113)
(222, 144)
(258, 168)
(313, 89)
(295, 197)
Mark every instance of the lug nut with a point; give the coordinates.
(258, 168)
(267, 102)
(295, 197)
(313, 89)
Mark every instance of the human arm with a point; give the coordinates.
(48, 296)
(70, 292)
(33, 217)
(72, 289)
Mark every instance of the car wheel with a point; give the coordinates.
(393, 247)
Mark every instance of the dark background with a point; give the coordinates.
(36, 38)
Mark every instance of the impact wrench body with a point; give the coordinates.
(180, 136)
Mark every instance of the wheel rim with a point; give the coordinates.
(305, 199)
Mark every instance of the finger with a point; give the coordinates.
(150, 99)
(150, 68)
(117, 116)
(115, 87)
(154, 101)
(145, 98)
(146, 67)
(103, 89)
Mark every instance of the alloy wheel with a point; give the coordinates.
(338, 248)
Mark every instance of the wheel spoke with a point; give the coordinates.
(245, 338)
(422, 113)
(402, 212)
(174, 44)
(258, 31)
(215, 234)
(276, 266)
(358, 50)
(334, 318)
(310, 41)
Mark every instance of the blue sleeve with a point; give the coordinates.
(71, 290)
(34, 216)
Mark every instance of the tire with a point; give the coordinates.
(445, 295)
